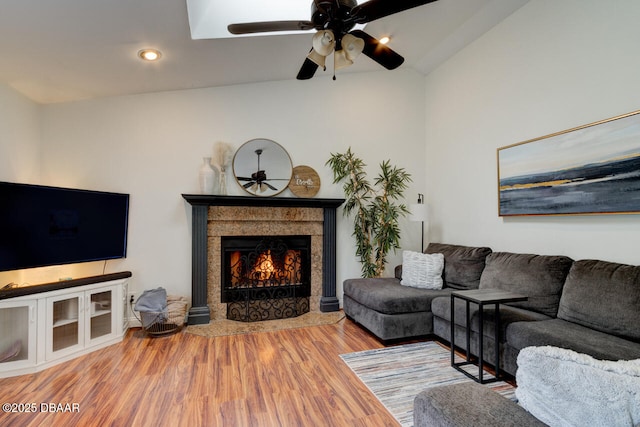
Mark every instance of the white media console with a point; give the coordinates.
(43, 325)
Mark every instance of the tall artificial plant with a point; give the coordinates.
(375, 208)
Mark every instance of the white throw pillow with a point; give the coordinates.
(422, 270)
(563, 388)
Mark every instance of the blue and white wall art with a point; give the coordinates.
(591, 169)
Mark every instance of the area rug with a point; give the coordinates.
(218, 328)
(396, 375)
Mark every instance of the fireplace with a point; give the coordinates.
(265, 277)
(218, 218)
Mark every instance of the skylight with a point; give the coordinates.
(208, 19)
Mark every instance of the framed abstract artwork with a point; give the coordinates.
(591, 169)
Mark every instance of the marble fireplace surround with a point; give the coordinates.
(217, 216)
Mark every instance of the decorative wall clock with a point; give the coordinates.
(305, 181)
(262, 167)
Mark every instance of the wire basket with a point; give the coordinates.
(166, 322)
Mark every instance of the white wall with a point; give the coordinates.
(551, 66)
(19, 137)
(151, 146)
(19, 148)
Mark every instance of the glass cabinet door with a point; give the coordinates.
(64, 323)
(101, 314)
(17, 334)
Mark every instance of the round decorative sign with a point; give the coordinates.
(305, 181)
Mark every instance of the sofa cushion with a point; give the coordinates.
(563, 388)
(422, 270)
(560, 333)
(539, 277)
(604, 296)
(468, 404)
(387, 295)
(389, 326)
(463, 265)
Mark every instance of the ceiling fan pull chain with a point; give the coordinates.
(334, 66)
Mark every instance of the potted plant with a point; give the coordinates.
(375, 208)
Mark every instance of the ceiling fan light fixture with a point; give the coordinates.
(324, 42)
(352, 46)
(341, 60)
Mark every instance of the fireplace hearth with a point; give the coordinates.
(218, 218)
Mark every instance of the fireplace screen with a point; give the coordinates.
(266, 278)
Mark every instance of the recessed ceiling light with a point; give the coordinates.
(149, 54)
(384, 40)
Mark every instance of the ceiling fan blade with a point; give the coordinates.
(269, 185)
(380, 53)
(269, 26)
(376, 9)
(307, 70)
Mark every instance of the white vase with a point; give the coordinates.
(207, 176)
(222, 190)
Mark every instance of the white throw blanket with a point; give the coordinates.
(563, 388)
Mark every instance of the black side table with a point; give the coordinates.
(481, 297)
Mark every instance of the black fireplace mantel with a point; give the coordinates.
(282, 202)
(199, 312)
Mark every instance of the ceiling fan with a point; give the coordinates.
(334, 21)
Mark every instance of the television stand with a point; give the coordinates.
(19, 291)
(9, 286)
(43, 325)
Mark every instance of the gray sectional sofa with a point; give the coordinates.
(392, 311)
(540, 277)
(588, 306)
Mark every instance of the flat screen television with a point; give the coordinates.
(42, 226)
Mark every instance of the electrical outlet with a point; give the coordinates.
(131, 297)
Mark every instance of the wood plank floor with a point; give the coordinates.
(286, 378)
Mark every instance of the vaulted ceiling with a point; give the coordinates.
(66, 50)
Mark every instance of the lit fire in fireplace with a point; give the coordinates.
(266, 269)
